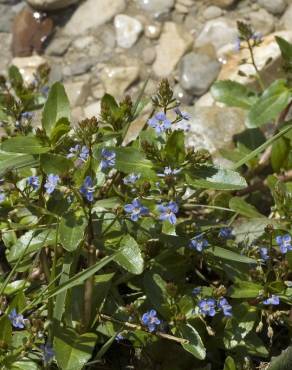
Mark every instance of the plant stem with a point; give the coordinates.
(259, 78)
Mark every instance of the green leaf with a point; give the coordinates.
(215, 178)
(25, 144)
(6, 330)
(175, 148)
(233, 94)
(31, 242)
(286, 48)
(227, 254)
(240, 206)
(24, 364)
(229, 364)
(73, 350)
(130, 256)
(283, 361)
(81, 276)
(15, 77)
(15, 286)
(261, 148)
(62, 127)
(10, 161)
(245, 289)
(273, 101)
(55, 163)
(195, 345)
(71, 230)
(57, 106)
(280, 153)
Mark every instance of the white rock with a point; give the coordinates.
(286, 20)
(212, 12)
(51, 4)
(262, 21)
(149, 55)
(156, 7)
(77, 92)
(153, 30)
(92, 110)
(116, 79)
(273, 6)
(174, 42)
(218, 32)
(5, 42)
(92, 14)
(28, 66)
(223, 3)
(128, 30)
(83, 42)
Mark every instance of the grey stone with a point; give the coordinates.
(262, 21)
(28, 66)
(153, 30)
(79, 67)
(51, 4)
(156, 7)
(273, 6)
(223, 3)
(6, 17)
(181, 95)
(128, 30)
(197, 72)
(5, 41)
(286, 20)
(58, 46)
(148, 55)
(92, 14)
(77, 92)
(212, 12)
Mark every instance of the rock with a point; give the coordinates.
(78, 67)
(51, 4)
(273, 6)
(218, 32)
(174, 42)
(198, 72)
(180, 8)
(28, 66)
(267, 57)
(58, 46)
(82, 42)
(6, 17)
(286, 20)
(5, 41)
(116, 79)
(212, 12)
(181, 95)
(148, 55)
(77, 115)
(153, 30)
(30, 31)
(92, 14)
(128, 30)
(77, 92)
(223, 3)
(92, 110)
(156, 7)
(262, 21)
(213, 128)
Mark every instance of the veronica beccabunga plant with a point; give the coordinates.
(117, 250)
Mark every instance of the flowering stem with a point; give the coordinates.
(259, 78)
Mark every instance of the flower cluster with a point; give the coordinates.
(151, 320)
(273, 300)
(225, 233)
(78, 151)
(87, 189)
(198, 243)
(131, 178)
(284, 242)
(208, 306)
(34, 182)
(168, 212)
(136, 210)
(108, 159)
(160, 123)
(51, 183)
(17, 320)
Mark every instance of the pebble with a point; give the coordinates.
(5, 41)
(198, 72)
(77, 92)
(174, 42)
(149, 55)
(262, 21)
(180, 94)
(218, 32)
(223, 3)
(116, 79)
(6, 17)
(78, 67)
(181, 8)
(92, 14)
(156, 7)
(51, 4)
(286, 20)
(273, 6)
(28, 66)
(30, 31)
(83, 42)
(153, 30)
(212, 12)
(58, 46)
(128, 30)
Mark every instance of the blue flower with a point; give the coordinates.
(284, 243)
(225, 307)
(51, 183)
(257, 37)
(225, 233)
(198, 243)
(168, 212)
(169, 172)
(45, 90)
(34, 182)
(151, 320)
(119, 337)
(159, 122)
(78, 151)
(264, 253)
(108, 159)
(136, 209)
(273, 300)
(183, 115)
(87, 189)
(2, 197)
(131, 178)
(207, 306)
(196, 290)
(16, 319)
(48, 353)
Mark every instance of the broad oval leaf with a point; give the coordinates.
(71, 230)
(10, 161)
(195, 346)
(229, 364)
(227, 254)
(25, 144)
(55, 163)
(130, 256)
(240, 206)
